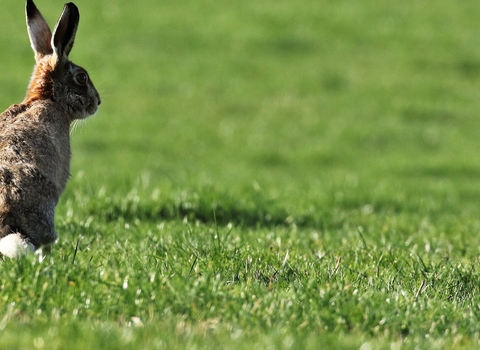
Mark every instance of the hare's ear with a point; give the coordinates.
(64, 32)
(38, 31)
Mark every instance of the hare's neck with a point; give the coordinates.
(41, 86)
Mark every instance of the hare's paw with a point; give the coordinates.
(14, 245)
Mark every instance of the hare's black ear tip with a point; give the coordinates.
(71, 5)
(31, 8)
(72, 8)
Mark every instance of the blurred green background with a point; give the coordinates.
(282, 94)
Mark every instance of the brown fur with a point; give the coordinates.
(34, 135)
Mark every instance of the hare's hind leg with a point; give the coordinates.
(15, 245)
(33, 230)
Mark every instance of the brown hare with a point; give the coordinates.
(35, 135)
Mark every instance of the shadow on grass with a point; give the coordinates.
(256, 210)
(220, 213)
(253, 210)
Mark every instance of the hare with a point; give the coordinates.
(35, 135)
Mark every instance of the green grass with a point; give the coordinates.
(261, 174)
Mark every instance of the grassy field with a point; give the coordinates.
(261, 174)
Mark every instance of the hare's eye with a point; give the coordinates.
(81, 78)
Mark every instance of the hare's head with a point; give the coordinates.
(55, 77)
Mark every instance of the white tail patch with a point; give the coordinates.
(14, 246)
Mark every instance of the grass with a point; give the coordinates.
(261, 174)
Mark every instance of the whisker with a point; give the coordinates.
(76, 125)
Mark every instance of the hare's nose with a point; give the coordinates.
(99, 101)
